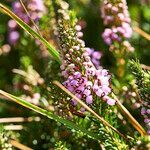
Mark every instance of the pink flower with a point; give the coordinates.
(82, 78)
(89, 99)
(117, 20)
(109, 100)
(13, 37)
(143, 111)
(36, 10)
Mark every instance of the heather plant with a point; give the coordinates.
(76, 101)
(115, 15)
(92, 80)
(143, 84)
(118, 30)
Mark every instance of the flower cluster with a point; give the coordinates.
(35, 8)
(83, 79)
(95, 56)
(116, 18)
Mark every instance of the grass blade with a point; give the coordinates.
(54, 53)
(28, 14)
(50, 115)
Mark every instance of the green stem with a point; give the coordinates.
(50, 115)
(28, 29)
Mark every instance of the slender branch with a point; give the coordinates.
(50, 115)
(19, 119)
(20, 72)
(19, 145)
(30, 16)
(13, 127)
(138, 96)
(142, 33)
(88, 108)
(3, 97)
(36, 27)
(132, 120)
(31, 32)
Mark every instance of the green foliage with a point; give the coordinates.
(144, 143)
(59, 126)
(60, 146)
(142, 79)
(50, 115)
(5, 137)
(29, 30)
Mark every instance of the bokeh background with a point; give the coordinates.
(30, 56)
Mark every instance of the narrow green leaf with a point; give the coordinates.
(50, 115)
(54, 53)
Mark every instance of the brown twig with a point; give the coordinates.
(88, 108)
(132, 120)
(138, 96)
(30, 16)
(142, 33)
(13, 127)
(19, 119)
(3, 97)
(19, 145)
